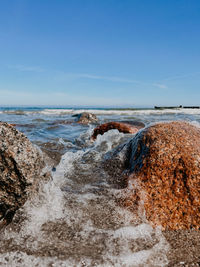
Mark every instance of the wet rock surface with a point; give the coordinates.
(86, 118)
(124, 127)
(164, 171)
(53, 151)
(184, 248)
(20, 170)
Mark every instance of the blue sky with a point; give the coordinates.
(100, 52)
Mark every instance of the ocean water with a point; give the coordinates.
(76, 219)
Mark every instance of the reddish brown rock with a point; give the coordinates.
(165, 166)
(21, 168)
(123, 127)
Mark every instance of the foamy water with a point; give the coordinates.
(68, 111)
(76, 218)
(121, 112)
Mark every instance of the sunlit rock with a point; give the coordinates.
(163, 166)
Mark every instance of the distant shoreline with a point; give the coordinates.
(39, 108)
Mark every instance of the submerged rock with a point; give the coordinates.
(20, 170)
(124, 127)
(163, 162)
(86, 118)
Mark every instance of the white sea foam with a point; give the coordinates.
(56, 111)
(128, 112)
(108, 139)
(104, 112)
(120, 112)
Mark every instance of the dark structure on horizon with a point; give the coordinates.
(175, 107)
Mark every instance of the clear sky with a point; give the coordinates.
(100, 52)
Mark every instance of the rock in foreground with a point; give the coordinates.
(161, 165)
(165, 162)
(20, 170)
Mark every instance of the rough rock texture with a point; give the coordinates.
(184, 248)
(164, 162)
(20, 170)
(124, 127)
(86, 118)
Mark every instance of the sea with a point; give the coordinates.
(75, 219)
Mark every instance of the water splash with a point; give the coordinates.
(75, 219)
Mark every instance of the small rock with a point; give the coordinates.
(86, 118)
(124, 127)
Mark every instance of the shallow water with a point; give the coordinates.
(76, 219)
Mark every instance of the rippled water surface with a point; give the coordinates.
(76, 219)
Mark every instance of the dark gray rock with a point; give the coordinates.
(21, 166)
